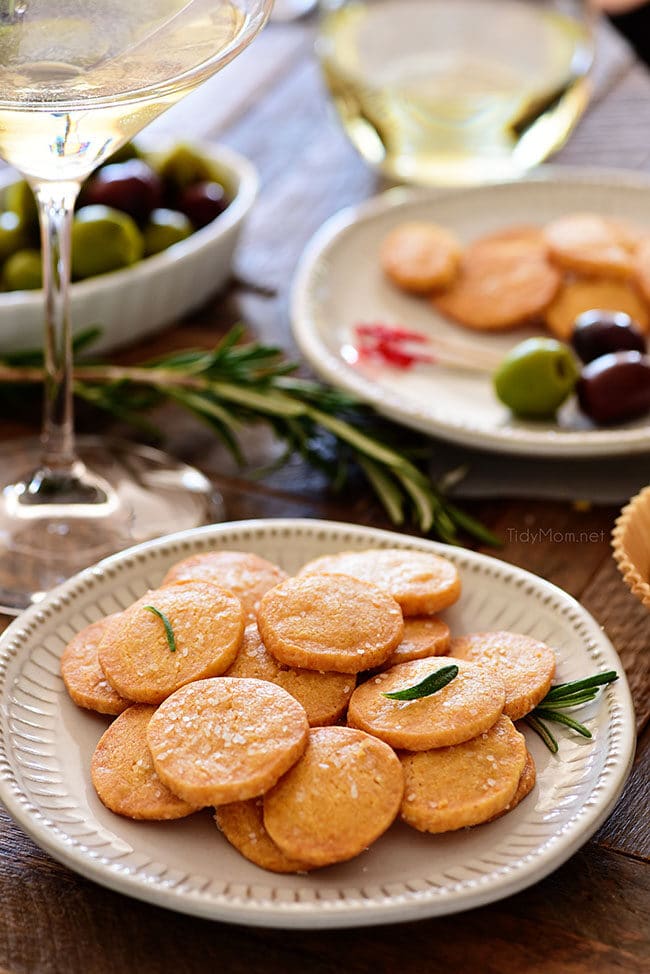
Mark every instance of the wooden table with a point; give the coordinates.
(592, 915)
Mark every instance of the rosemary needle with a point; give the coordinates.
(578, 701)
(169, 632)
(562, 690)
(430, 685)
(543, 732)
(553, 715)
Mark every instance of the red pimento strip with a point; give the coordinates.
(393, 355)
(389, 332)
(387, 344)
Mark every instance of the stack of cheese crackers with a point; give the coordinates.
(525, 274)
(264, 697)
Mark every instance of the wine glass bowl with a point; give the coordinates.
(77, 80)
(94, 73)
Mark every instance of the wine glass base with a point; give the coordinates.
(147, 494)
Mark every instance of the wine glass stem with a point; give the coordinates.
(56, 208)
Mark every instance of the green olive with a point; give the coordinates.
(103, 239)
(23, 271)
(12, 234)
(165, 227)
(19, 198)
(125, 152)
(536, 377)
(183, 166)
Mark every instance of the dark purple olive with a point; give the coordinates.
(132, 187)
(615, 388)
(202, 203)
(597, 333)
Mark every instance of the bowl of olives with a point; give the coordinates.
(153, 238)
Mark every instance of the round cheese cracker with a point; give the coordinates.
(575, 297)
(208, 627)
(242, 823)
(451, 788)
(524, 788)
(330, 622)
(423, 636)
(642, 268)
(226, 740)
(518, 239)
(591, 245)
(244, 574)
(123, 774)
(631, 234)
(420, 257)
(338, 799)
(504, 281)
(422, 583)
(525, 665)
(84, 678)
(467, 706)
(324, 696)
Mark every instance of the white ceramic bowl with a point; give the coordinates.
(137, 301)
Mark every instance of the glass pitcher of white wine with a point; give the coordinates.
(457, 91)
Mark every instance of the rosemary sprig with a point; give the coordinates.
(564, 696)
(237, 384)
(169, 632)
(426, 687)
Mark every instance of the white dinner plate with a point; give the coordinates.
(339, 284)
(46, 745)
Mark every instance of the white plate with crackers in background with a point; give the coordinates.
(46, 745)
(340, 286)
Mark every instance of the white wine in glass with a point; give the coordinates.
(457, 92)
(78, 78)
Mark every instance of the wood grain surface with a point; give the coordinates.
(592, 916)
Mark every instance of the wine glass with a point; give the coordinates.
(78, 78)
(286, 10)
(455, 93)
